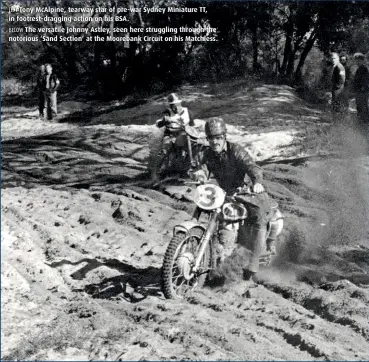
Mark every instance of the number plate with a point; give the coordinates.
(209, 196)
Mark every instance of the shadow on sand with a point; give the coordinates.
(134, 285)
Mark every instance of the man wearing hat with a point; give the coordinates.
(175, 118)
(361, 88)
(175, 112)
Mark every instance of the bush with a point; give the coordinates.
(13, 87)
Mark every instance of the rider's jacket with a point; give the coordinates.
(171, 119)
(232, 168)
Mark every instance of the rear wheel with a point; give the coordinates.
(177, 277)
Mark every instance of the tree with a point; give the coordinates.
(251, 37)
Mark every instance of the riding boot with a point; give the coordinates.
(247, 275)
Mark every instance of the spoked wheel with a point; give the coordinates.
(178, 279)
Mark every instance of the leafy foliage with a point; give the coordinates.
(260, 37)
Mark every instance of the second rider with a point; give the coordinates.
(175, 118)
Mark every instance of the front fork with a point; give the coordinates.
(190, 151)
(205, 241)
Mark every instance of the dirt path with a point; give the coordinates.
(83, 239)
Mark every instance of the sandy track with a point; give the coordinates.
(83, 242)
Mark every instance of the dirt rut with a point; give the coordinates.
(83, 237)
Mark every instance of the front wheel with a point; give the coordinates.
(177, 277)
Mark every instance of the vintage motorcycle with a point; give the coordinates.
(191, 253)
(181, 157)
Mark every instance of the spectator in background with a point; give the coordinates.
(343, 61)
(40, 90)
(361, 89)
(346, 91)
(338, 86)
(50, 85)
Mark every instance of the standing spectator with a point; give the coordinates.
(346, 91)
(338, 86)
(361, 89)
(40, 90)
(50, 85)
(343, 61)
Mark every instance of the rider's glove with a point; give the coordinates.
(258, 188)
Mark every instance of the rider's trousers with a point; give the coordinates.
(258, 246)
(256, 230)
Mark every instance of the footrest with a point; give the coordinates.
(265, 259)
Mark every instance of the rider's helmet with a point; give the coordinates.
(173, 99)
(215, 127)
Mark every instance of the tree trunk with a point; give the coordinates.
(255, 47)
(309, 45)
(291, 64)
(287, 47)
(291, 60)
(238, 50)
(96, 67)
(113, 53)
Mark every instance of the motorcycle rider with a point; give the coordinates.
(175, 117)
(232, 166)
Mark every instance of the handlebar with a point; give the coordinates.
(198, 183)
(244, 191)
(240, 190)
